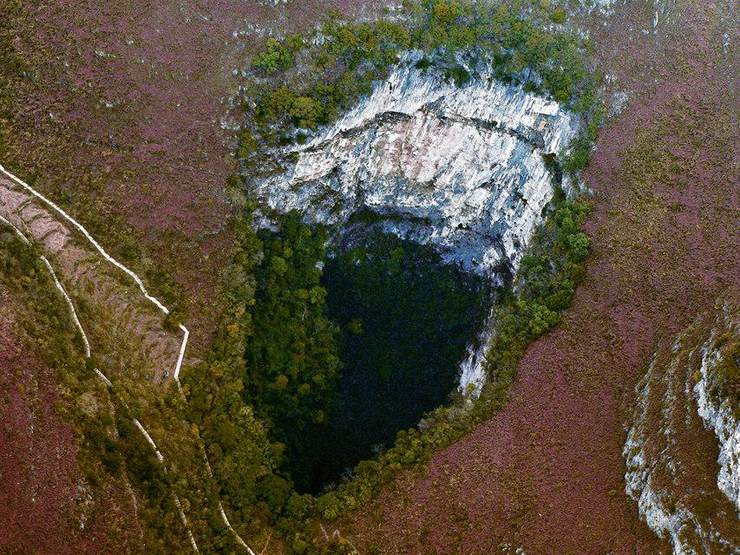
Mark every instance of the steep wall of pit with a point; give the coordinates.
(683, 446)
(461, 168)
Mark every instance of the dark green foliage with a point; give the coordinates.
(354, 55)
(458, 74)
(406, 318)
(579, 155)
(277, 55)
(445, 24)
(248, 466)
(243, 458)
(546, 278)
(424, 63)
(545, 283)
(305, 111)
(143, 466)
(292, 360)
(579, 150)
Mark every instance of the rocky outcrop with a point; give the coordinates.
(462, 168)
(466, 169)
(683, 447)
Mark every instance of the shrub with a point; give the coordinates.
(305, 112)
(578, 155)
(277, 55)
(558, 15)
(459, 75)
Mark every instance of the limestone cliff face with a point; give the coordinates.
(683, 446)
(461, 168)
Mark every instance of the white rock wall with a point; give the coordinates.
(463, 165)
(459, 168)
(717, 415)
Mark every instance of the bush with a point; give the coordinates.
(558, 15)
(305, 112)
(459, 75)
(277, 55)
(578, 244)
(578, 156)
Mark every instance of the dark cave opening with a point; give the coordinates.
(353, 343)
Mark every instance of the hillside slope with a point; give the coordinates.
(683, 445)
(47, 503)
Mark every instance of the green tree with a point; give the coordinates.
(305, 111)
(275, 57)
(292, 360)
(241, 454)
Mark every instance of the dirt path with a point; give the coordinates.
(87, 272)
(546, 473)
(24, 208)
(29, 211)
(124, 114)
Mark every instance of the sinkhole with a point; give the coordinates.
(406, 319)
(458, 174)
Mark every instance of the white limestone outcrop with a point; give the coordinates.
(460, 168)
(683, 446)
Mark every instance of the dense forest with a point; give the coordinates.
(292, 356)
(383, 306)
(396, 316)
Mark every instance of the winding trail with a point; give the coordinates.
(73, 313)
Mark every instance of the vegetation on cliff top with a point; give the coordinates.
(519, 41)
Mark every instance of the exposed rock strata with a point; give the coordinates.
(122, 315)
(460, 168)
(463, 169)
(683, 448)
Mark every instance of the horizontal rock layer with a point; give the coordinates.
(461, 168)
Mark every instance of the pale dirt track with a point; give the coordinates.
(36, 219)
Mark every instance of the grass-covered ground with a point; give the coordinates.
(56, 495)
(119, 111)
(114, 111)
